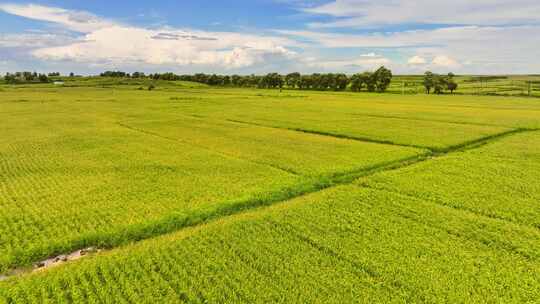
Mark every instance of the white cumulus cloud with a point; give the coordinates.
(361, 13)
(79, 21)
(369, 55)
(416, 60)
(481, 37)
(107, 42)
(445, 61)
(485, 49)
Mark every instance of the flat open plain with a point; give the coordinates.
(203, 195)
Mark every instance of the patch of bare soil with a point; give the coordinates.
(51, 262)
(63, 258)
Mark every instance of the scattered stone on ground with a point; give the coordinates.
(63, 258)
(51, 262)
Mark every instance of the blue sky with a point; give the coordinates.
(484, 37)
(202, 14)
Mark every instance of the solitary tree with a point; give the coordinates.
(382, 78)
(451, 85)
(428, 81)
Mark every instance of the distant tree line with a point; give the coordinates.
(377, 81)
(25, 77)
(370, 81)
(439, 83)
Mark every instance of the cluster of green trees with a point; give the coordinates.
(118, 74)
(320, 82)
(25, 77)
(439, 83)
(377, 81)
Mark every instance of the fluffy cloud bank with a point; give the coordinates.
(107, 42)
(131, 45)
(481, 37)
(416, 60)
(361, 13)
(467, 49)
(74, 20)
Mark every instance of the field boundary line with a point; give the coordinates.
(433, 120)
(331, 134)
(479, 142)
(452, 148)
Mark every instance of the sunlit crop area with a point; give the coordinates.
(203, 195)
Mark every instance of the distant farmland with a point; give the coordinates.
(197, 194)
(513, 85)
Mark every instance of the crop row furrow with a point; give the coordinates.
(358, 269)
(465, 123)
(464, 209)
(473, 225)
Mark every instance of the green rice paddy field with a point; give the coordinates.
(211, 195)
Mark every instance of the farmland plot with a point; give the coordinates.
(305, 154)
(339, 245)
(73, 178)
(188, 176)
(420, 121)
(499, 181)
(70, 191)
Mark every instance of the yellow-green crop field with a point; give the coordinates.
(195, 194)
